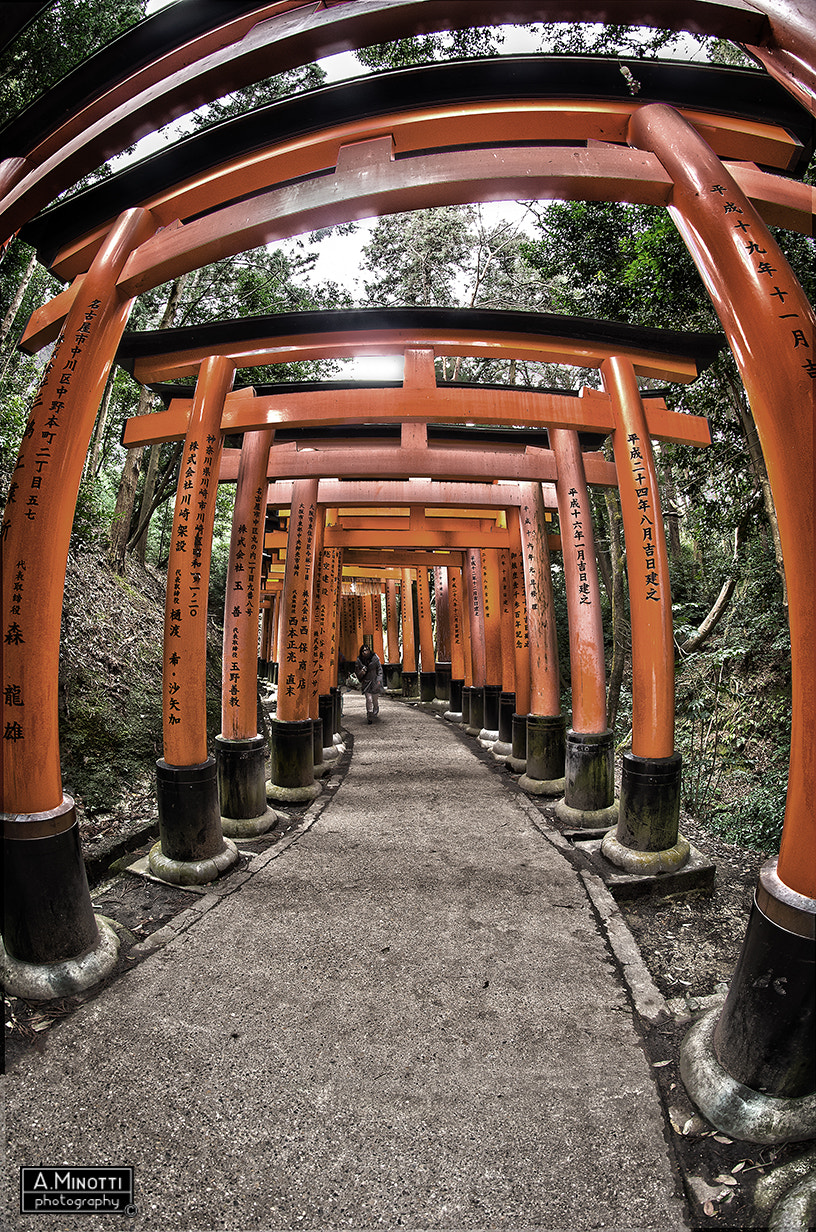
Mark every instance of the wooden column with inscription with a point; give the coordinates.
(473, 708)
(589, 790)
(239, 749)
(502, 747)
(457, 643)
(318, 644)
(191, 848)
(761, 1043)
(442, 662)
(291, 733)
(427, 674)
(392, 672)
(544, 774)
(48, 917)
(647, 838)
(517, 761)
(326, 647)
(491, 590)
(410, 676)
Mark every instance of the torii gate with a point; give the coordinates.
(714, 206)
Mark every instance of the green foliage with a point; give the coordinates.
(429, 48)
(608, 39)
(57, 41)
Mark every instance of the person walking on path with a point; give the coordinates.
(370, 674)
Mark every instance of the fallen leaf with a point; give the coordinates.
(709, 1208)
(660, 1064)
(41, 1025)
(722, 1138)
(724, 1180)
(739, 1167)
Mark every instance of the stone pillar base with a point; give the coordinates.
(427, 687)
(250, 827)
(544, 773)
(467, 693)
(392, 675)
(501, 750)
(517, 761)
(646, 862)
(751, 1067)
(46, 981)
(292, 765)
(190, 830)
(732, 1107)
(649, 812)
(48, 916)
(410, 686)
(476, 723)
(587, 819)
(242, 786)
(191, 872)
(541, 787)
(590, 775)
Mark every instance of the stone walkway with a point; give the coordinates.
(406, 1018)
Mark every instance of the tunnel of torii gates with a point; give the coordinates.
(721, 149)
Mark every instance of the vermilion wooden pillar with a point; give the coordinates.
(442, 664)
(751, 1069)
(647, 838)
(503, 746)
(491, 591)
(393, 680)
(376, 617)
(410, 677)
(318, 643)
(191, 847)
(544, 774)
(48, 918)
(589, 789)
(457, 642)
(517, 760)
(239, 749)
(326, 611)
(473, 695)
(291, 732)
(427, 675)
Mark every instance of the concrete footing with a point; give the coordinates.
(476, 718)
(410, 686)
(47, 981)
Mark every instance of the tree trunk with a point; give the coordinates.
(93, 462)
(164, 487)
(14, 307)
(140, 546)
(720, 603)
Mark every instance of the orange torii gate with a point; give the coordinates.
(743, 269)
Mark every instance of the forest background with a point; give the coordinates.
(621, 263)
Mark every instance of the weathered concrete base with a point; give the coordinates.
(453, 716)
(735, 1109)
(517, 764)
(587, 819)
(191, 872)
(46, 981)
(249, 827)
(696, 874)
(292, 795)
(331, 753)
(501, 750)
(541, 787)
(487, 738)
(321, 768)
(631, 861)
